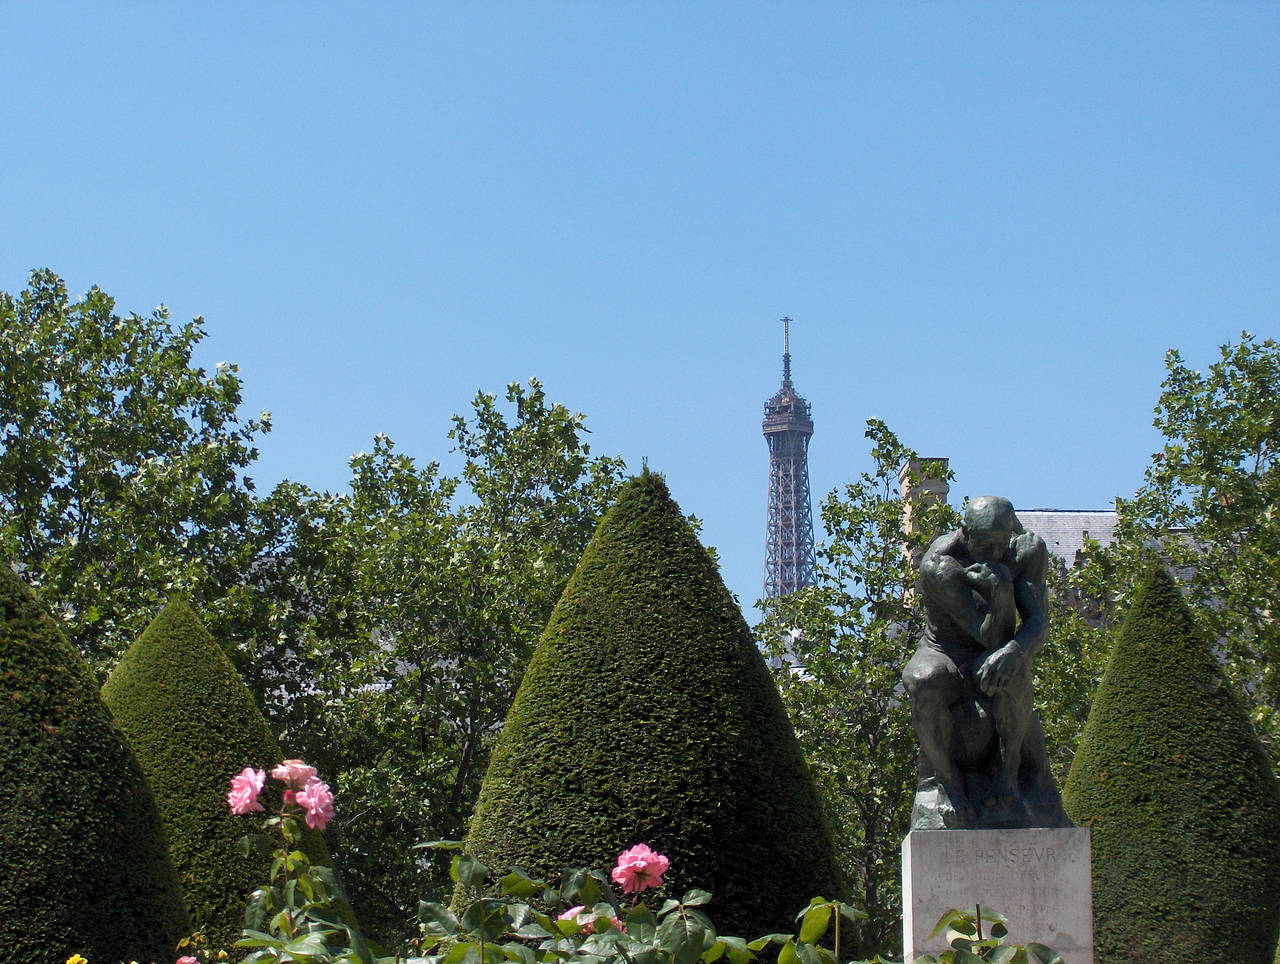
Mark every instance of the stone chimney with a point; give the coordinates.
(925, 489)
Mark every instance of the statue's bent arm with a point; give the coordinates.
(1031, 593)
(945, 585)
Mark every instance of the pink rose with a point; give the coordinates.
(639, 869)
(587, 921)
(587, 927)
(316, 801)
(188, 959)
(293, 773)
(245, 787)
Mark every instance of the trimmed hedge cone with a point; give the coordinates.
(646, 715)
(193, 725)
(83, 863)
(1182, 802)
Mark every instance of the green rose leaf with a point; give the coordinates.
(816, 920)
(682, 937)
(519, 953)
(1041, 954)
(468, 871)
(760, 943)
(808, 954)
(946, 921)
(988, 914)
(519, 884)
(255, 911)
(438, 845)
(312, 945)
(437, 919)
(642, 926)
(737, 949)
(487, 919)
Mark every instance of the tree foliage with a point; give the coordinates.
(403, 614)
(1069, 665)
(1181, 801)
(838, 648)
(1207, 508)
(121, 464)
(381, 630)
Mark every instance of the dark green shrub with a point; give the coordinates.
(83, 862)
(646, 715)
(1183, 805)
(193, 724)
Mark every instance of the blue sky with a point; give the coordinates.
(988, 221)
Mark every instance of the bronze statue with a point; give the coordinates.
(982, 753)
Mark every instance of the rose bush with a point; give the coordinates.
(521, 920)
(968, 945)
(295, 917)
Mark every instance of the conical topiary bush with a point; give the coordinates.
(193, 724)
(1182, 803)
(646, 715)
(83, 863)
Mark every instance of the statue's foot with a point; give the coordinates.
(939, 807)
(954, 808)
(1004, 795)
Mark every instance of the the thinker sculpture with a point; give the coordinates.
(982, 752)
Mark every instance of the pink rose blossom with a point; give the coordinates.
(587, 921)
(587, 927)
(316, 801)
(188, 959)
(293, 773)
(245, 787)
(639, 869)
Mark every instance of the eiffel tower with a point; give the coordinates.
(788, 539)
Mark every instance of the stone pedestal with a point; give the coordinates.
(1038, 879)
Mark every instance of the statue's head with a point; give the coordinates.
(989, 524)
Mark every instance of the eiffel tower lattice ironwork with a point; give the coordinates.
(788, 541)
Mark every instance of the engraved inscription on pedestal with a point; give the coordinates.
(1038, 879)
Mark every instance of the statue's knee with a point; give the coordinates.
(915, 678)
(927, 679)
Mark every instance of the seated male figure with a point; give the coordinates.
(984, 592)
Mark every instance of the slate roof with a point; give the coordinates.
(1064, 530)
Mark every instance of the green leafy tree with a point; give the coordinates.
(838, 648)
(121, 464)
(1182, 803)
(83, 863)
(1207, 507)
(1069, 665)
(647, 715)
(406, 612)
